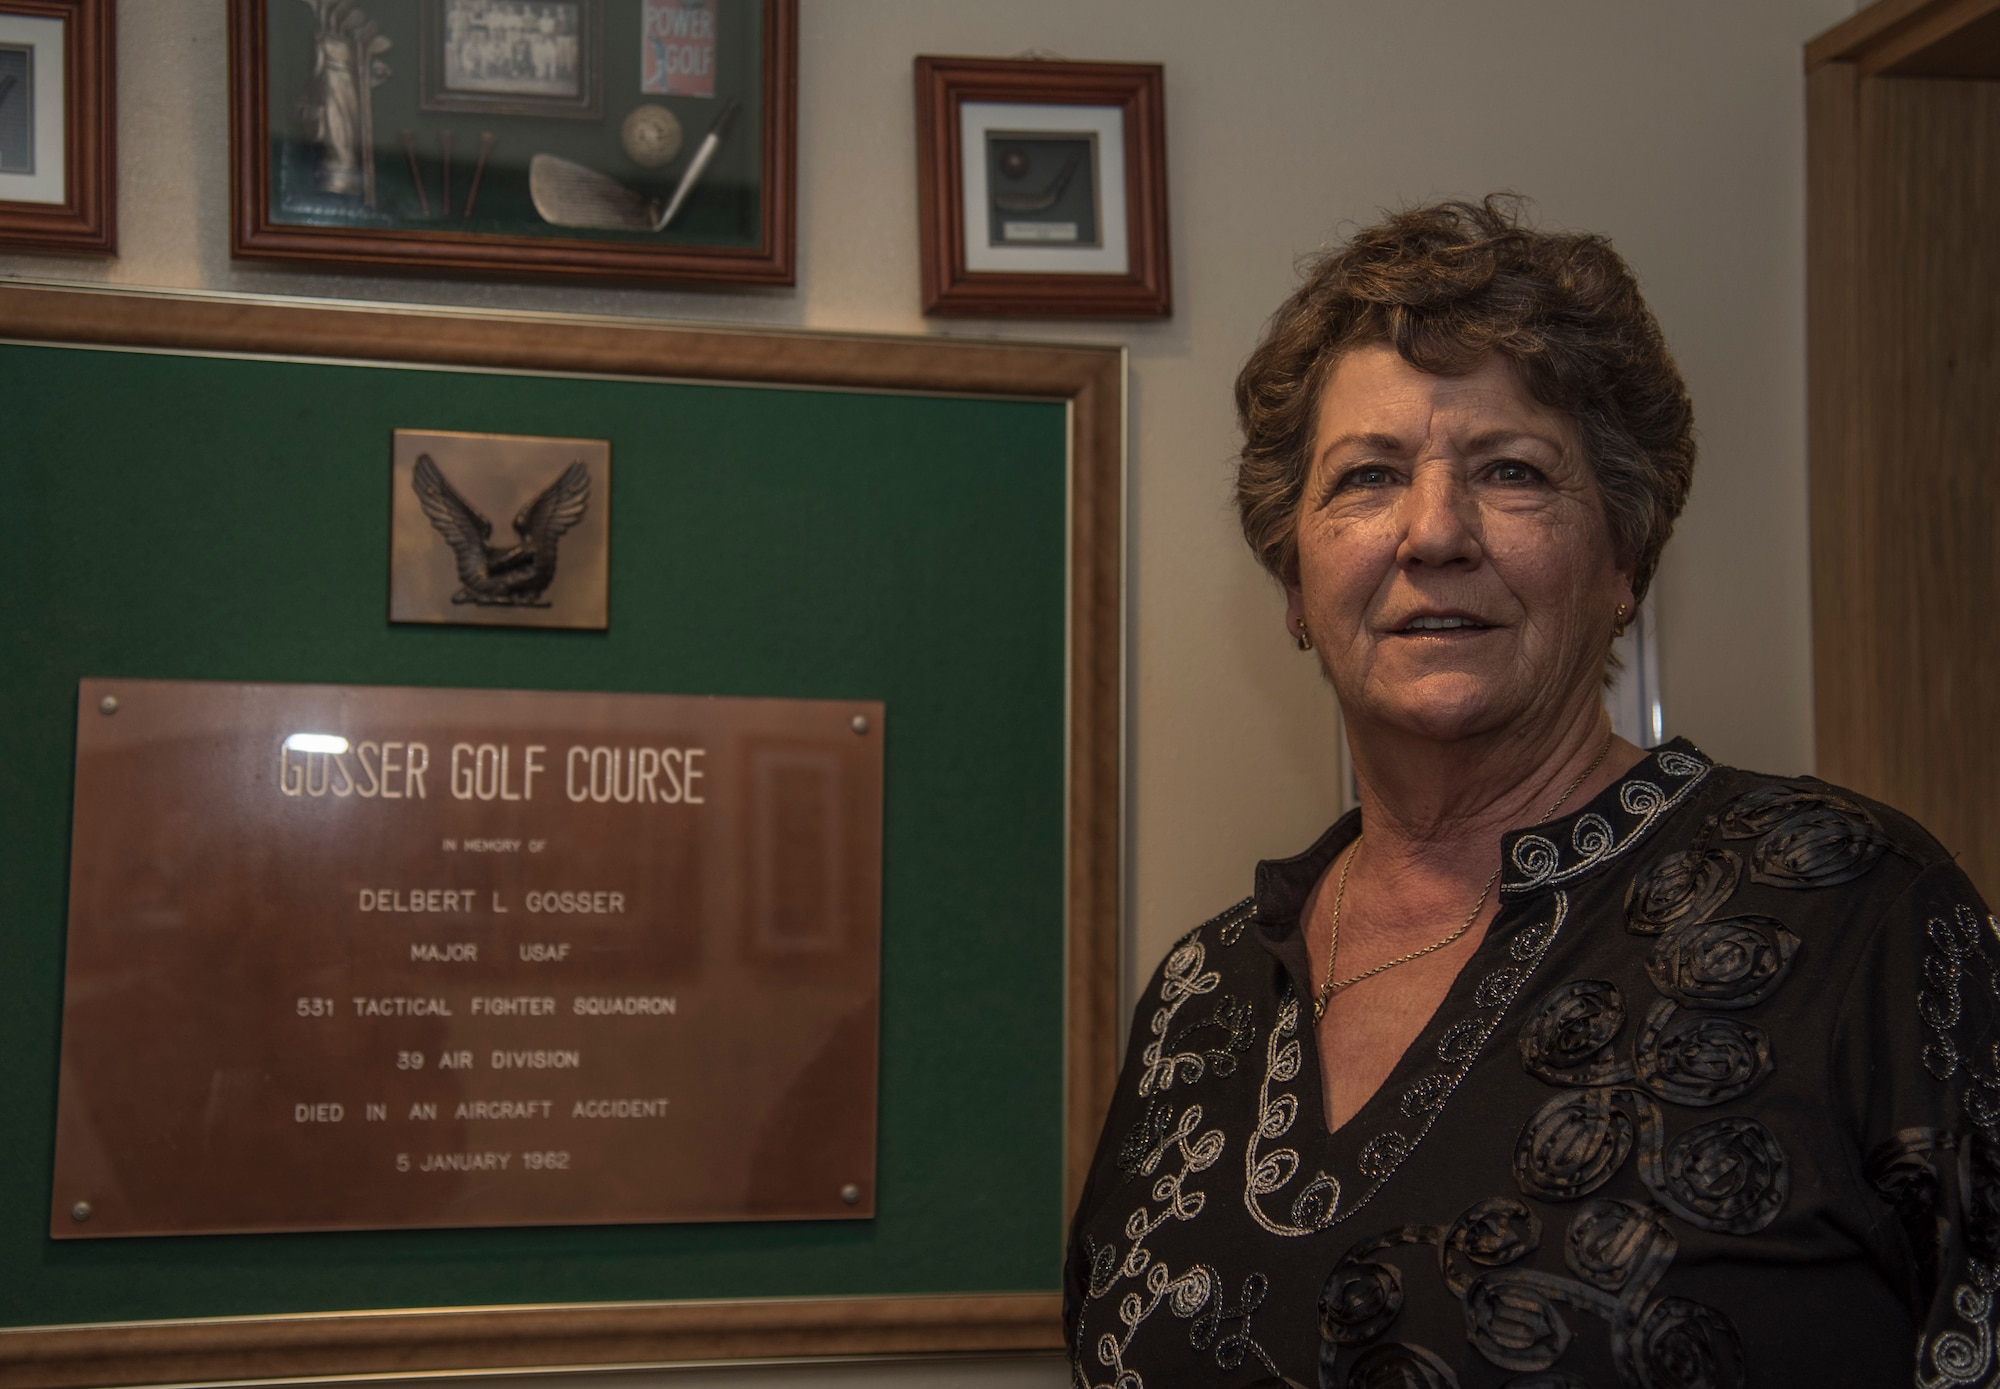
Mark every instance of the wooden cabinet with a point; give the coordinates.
(1903, 353)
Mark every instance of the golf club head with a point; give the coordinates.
(569, 195)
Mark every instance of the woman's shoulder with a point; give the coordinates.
(1226, 927)
(1201, 947)
(1789, 854)
(1802, 831)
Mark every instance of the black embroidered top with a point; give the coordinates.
(1715, 1103)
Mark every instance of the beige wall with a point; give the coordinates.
(1674, 126)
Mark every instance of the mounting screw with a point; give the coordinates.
(849, 1193)
(108, 704)
(80, 1211)
(860, 724)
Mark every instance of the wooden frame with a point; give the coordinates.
(1903, 384)
(84, 220)
(1915, 38)
(256, 234)
(954, 279)
(1091, 382)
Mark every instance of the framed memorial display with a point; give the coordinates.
(57, 118)
(737, 981)
(1042, 188)
(618, 140)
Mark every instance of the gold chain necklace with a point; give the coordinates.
(1331, 986)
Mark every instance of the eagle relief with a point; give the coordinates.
(448, 564)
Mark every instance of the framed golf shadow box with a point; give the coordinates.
(614, 140)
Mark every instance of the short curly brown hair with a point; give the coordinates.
(1448, 285)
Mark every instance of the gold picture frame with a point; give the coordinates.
(1089, 382)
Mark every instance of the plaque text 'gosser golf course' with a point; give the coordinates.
(351, 957)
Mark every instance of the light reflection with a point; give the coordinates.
(316, 742)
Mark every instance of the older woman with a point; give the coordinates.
(1557, 1062)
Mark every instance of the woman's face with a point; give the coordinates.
(1456, 572)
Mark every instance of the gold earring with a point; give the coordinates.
(1618, 621)
(1305, 639)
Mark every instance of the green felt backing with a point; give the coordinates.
(221, 519)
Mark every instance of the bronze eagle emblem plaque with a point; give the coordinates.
(349, 957)
(500, 530)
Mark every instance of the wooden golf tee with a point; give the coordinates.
(416, 173)
(487, 139)
(444, 145)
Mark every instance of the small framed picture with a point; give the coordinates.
(1042, 188)
(513, 57)
(56, 174)
(500, 530)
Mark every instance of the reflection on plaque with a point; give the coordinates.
(347, 958)
(793, 866)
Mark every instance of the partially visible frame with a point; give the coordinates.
(434, 181)
(1042, 188)
(57, 172)
(1091, 381)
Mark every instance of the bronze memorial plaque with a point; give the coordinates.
(344, 957)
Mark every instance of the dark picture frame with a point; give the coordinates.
(1042, 188)
(409, 206)
(74, 212)
(444, 89)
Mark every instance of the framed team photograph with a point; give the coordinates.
(1042, 188)
(56, 124)
(513, 57)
